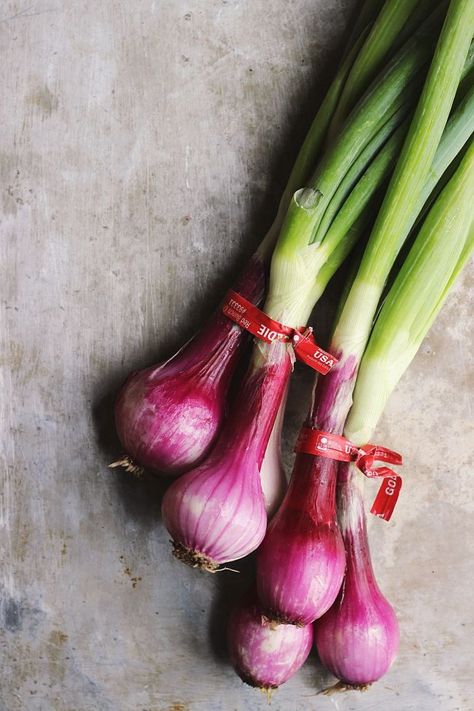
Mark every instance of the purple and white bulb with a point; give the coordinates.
(357, 639)
(263, 654)
(216, 513)
(168, 416)
(300, 564)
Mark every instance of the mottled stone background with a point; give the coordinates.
(143, 148)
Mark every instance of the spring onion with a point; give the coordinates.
(216, 513)
(294, 547)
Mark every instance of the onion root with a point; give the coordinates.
(193, 558)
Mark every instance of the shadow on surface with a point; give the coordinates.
(140, 496)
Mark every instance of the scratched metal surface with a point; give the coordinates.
(143, 147)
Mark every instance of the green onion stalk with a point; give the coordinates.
(303, 542)
(215, 513)
(375, 35)
(357, 639)
(394, 24)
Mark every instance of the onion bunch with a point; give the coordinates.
(216, 512)
(388, 165)
(298, 564)
(312, 553)
(358, 638)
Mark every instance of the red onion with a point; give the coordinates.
(265, 655)
(300, 565)
(357, 640)
(216, 513)
(168, 416)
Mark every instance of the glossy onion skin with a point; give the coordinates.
(358, 638)
(301, 562)
(168, 416)
(300, 565)
(217, 511)
(265, 655)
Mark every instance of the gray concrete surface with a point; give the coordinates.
(143, 147)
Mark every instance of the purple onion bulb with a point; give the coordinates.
(265, 655)
(357, 639)
(300, 564)
(216, 513)
(168, 416)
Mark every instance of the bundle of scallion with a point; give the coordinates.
(169, 415)
(389, 155)
(216, 512)
(357, 638)
(303, 537)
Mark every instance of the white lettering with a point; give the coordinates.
(390, 489)
(238, 307)
(323, 358)
(265, 332)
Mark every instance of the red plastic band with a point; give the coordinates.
(307, 351)
(325, 444)
(252, 319)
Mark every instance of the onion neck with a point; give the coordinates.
(313, 482)
(248, 428)
(212, 354)
(313, 488)
(272, 471)
(352, 519)
(332, 396)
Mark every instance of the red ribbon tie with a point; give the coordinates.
(325, 444)
(252, 319)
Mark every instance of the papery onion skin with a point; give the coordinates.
(265, 655)
(216, 513)
(167, 416)
(357, 639)
(300, 564)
